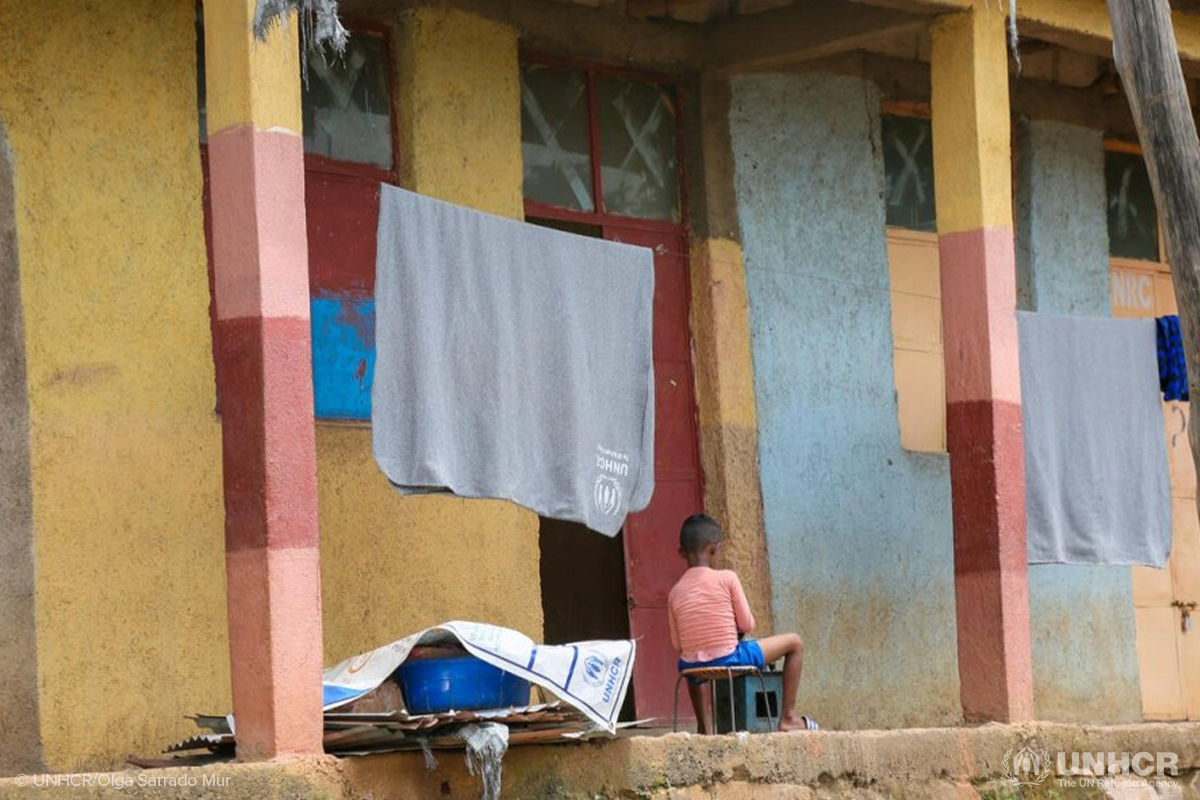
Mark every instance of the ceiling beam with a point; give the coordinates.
(806, 31)
(1092, 44)
(597, 31)
(1078, 24)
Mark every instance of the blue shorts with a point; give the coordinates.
(747, 654)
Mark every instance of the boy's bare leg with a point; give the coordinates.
(700, 706)
(791, 649)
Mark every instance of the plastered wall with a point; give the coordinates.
(124, 483)
(124, 447)
(858, 530)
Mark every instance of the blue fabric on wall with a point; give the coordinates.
(1172, 365)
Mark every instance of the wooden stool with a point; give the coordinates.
(711, 675)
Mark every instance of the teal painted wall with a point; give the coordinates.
(858, 530)
(1081, 617)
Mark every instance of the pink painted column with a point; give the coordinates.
(972, 167)
(260, 260)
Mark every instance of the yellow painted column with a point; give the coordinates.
(972, 168)
(264, 372)
(725, 400)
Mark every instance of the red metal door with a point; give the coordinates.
(652, 562)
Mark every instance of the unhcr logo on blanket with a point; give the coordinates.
(606, 492)
(1027, 767)
(607, 495)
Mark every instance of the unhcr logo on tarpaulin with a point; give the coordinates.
(1027, 767)
(594, 667)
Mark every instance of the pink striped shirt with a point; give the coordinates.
(707, 609)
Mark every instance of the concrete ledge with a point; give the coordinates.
(940, 764)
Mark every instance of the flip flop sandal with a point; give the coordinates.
(810, 724)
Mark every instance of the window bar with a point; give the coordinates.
(594, 143)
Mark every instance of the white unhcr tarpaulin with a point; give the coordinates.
(590, 676)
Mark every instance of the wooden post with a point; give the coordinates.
(1148, 62)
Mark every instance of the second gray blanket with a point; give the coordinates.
(1097, 486)
(513, 362)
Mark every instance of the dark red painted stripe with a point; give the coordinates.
(269, 444)
(987, 475)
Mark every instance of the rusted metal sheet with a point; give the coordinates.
(358, 733)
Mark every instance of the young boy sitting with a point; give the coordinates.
(708, 612)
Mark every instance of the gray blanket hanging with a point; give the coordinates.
(1097, 485)
(512, 361)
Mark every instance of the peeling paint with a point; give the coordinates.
(343, 348)
(81, 375)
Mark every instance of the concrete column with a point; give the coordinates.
(260, 258)
(972, 165)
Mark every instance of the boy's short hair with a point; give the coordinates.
(697, 532)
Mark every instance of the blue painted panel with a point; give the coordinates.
(343, 353)
(859, 532)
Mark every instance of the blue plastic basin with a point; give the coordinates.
(460, 683)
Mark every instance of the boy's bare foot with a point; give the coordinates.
(790, 723)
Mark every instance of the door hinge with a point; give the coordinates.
(1185, 613)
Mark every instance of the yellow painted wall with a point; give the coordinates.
(390, 564)
(270, 99)
(460, 110)
(99, 100)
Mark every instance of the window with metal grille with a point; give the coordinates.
(349, 148)
(598, 142)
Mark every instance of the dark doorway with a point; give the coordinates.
(583, 587)
(583, 584)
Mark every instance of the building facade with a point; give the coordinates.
(844, 198)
